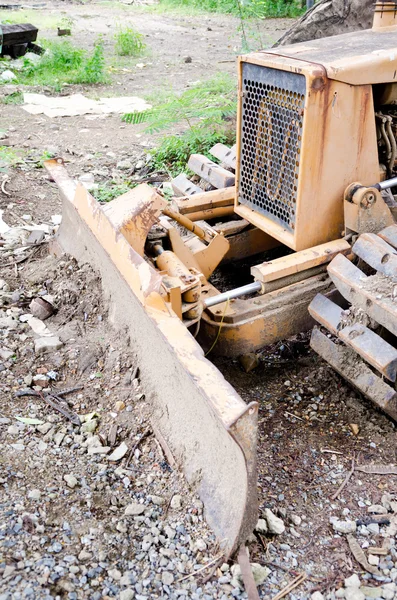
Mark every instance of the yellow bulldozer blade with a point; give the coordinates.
(198, 417)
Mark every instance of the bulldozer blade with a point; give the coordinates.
(202, 421)
(350, 366)
(370, 346)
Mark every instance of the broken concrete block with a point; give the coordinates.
(47, 344)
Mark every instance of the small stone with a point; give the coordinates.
(40, 308)
(70, 480)
(34, 495)
(157, 500)
(296, 520)
(8, 571)
(167, 578)
(47, 344)
(127, 594)
(44, 428)
(119, 452)
(373, 560)
(124, 165)
(249, 361)
(344, 526)
(188, 59)
(13, 430)
(355, 428)
(370, 592)
(353, 581)
(134, 509)
(201, 545)
(115, 574)
(119, 406)
(274, 524)
(352, 593)
(8, 76)
(377, 509)
(259, 572)
(176, 502)
(317, 596)
(84, 556)
(261, 526)
(373, 528)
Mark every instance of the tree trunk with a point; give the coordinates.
(330, 17)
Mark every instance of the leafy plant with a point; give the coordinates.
(110, 190)
(209, 102)
(174, 151)
(129, 42)
(64, 63)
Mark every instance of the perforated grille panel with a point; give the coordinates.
(271, 133)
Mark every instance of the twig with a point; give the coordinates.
(212, 572)
(340, 488)
(212, 562)
(144, 435)
(3, 188)
(294, 416)
(329, 451)
(291, 586)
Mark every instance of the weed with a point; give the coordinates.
(110, 190)
(209, 103)
(244, 9)
(13, 98)
(63, 63)
(174, 151)
(8, 158)
(129, 42)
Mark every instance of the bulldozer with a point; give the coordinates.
(312, 213)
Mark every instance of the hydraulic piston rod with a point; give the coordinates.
(385, 185)
(251, 288)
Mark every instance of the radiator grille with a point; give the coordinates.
(271, 133)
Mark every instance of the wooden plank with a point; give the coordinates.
(206, 201)
(232, 227)
(348, 364)
(225, 154)
(370, 346)
(182, 186)
(389, 234)
(377, 253)
(19, 34)
(210, 171)
(299, 261)
(351, 281)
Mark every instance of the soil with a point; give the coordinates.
(307, 441)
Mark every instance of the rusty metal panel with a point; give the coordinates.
(271, 134)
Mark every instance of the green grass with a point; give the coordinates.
(129, 42)
(14, 98)
(64, 63)
(42, 18)
(8, 158)
(246, 9)
(110, 190)
(174, 151)
(206, 110)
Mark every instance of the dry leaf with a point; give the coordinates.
(360, 557)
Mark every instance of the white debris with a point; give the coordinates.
(77, 104)
(274, 524)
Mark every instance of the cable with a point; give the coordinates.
(219, 330)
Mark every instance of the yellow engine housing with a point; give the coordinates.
(306, 130)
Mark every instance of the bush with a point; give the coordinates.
(129, 42)
(246, 9)
(63, 63)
